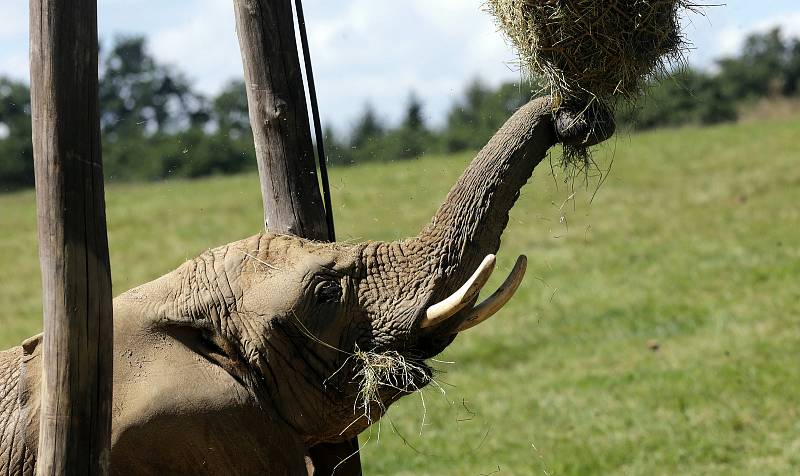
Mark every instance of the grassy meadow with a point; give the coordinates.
(657, 331)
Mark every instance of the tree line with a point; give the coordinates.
(156, 126)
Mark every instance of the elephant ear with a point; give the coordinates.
(32, 345)
(28, 396)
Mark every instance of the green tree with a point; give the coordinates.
(366, 138)
(414, 119)
(141, 96)
(144, 107)
(337, 150)
(412, 138)
(472, 121)
(464, 119)
(763, 68)
(368, 128)
(686, 96)
(16, 149)
(230, 110)
(792, 80)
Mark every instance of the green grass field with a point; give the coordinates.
(692, 242)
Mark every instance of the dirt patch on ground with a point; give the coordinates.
(769, 109)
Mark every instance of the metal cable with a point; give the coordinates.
(312, 93)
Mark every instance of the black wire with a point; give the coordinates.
(312, 93)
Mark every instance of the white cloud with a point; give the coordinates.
(15, 65)
(723, 31)
(13, 18)
(203, 43)
(381, 50)
(731, 39)
(14, 39)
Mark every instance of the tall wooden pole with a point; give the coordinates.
(279, 118)
(284, 150)
(75, 422)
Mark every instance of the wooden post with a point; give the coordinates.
(75, 422)
(284, 150)
(279, 118)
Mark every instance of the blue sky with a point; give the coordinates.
(368, 50)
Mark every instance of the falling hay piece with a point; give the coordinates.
(593, 49)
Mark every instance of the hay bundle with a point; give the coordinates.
(587, 49)
(590, 54)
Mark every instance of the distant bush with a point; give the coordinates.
(16, 149)
(191, 153)
(767, 66)
(685, 97)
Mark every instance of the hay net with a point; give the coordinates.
(593, 49)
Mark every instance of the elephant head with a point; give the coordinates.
(247, 355)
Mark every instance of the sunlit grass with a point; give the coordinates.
(690, 244)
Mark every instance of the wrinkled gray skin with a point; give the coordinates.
(215, 369)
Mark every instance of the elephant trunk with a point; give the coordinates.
(468, 225)
(442, 269)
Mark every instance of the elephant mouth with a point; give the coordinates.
(384, 377)
(443, 321)
(378, 377)
(407, 370)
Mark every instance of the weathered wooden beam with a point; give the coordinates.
(75, 422)
(279, 118)
(284, 150)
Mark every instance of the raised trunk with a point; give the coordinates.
(470, 222)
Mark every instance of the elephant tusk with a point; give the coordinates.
(465, 294)
(500, 298)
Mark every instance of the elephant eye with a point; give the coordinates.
(328, 292)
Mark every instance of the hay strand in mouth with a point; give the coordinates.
(376, 371)
(379, 371)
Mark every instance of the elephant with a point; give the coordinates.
(240, 360)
